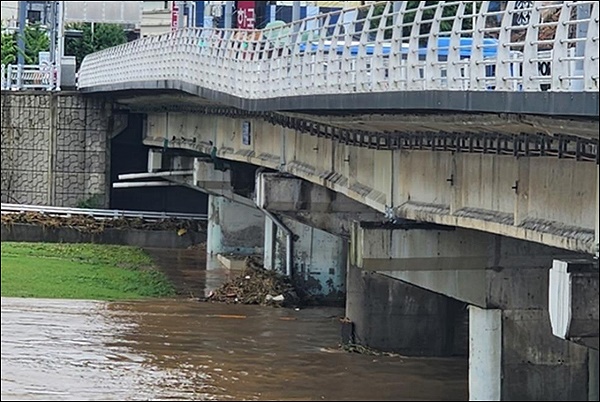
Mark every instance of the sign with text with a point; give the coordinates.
(174, 16)
(246, 14)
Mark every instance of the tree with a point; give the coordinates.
(36, 40)
(9, 48)
(93, 39)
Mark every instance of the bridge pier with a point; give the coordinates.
(513, 353)
(514, 356)
(395, 316)
(233, 227)
(318, 258)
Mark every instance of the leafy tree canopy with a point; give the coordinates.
(9, 48)
(94, 38)
(36, 40)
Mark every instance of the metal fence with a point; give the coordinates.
(386, 46)
(99, 213)
(15, 77)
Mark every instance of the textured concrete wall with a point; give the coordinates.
(55, 148)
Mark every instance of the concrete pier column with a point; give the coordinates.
(597, 232)
(514, 356)
(395, 316)
(318, 258)
(233, 228)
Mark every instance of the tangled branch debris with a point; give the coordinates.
(88, 224)
(257, 285)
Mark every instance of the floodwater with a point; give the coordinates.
(182, 349)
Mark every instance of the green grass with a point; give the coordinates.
(80, 271)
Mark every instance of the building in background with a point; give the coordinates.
(9, 14)
(157, 15)
(156, 18)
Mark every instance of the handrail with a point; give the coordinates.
(99, 213)
(15, 77)
(450, 45)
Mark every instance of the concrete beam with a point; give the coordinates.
(496, 194)
(573, 300)
(207, 177)
(311, 204)
(281, 193)
(478, 268)
(426, 247)
(336, 223)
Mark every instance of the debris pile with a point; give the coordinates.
(257, 285)
(88, 224)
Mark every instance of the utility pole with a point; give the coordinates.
(60, 39)
(295, 11)
(228, 14)
(295, 18)
(53, 37)
(180, 12)
(21, 42)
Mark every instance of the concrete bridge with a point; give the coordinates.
(418, 159)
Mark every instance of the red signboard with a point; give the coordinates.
(246, 14)
(174, 16)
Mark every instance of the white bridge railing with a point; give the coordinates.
(99, 213)
(387, 46)
(27, 77)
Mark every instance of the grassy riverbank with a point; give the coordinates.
(80, 271)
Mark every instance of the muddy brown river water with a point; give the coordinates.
(180, 349)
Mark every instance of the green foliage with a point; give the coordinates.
(80, 271)
(36, 40)
(9, 48)
(94, 201)
(101, 37)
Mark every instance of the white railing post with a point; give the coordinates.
(351, 53)
(591, 50)
(397, 58)
(4, 80)
(413, 64)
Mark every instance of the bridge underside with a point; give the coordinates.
(584, 104)
(406, 116)
(544, 192)
(518, 135)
